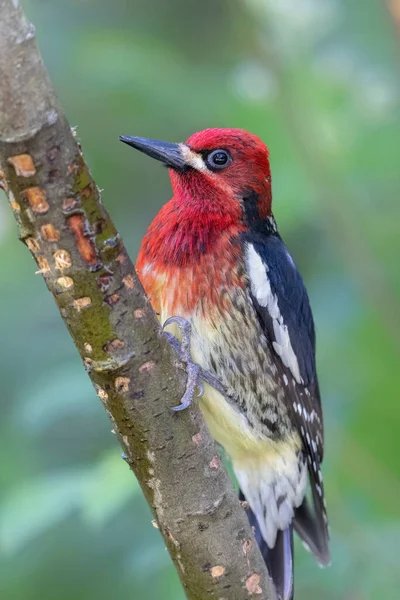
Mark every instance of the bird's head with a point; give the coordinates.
(223, 173)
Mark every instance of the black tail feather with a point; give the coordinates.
(280, 564)
(279, 559)
(312, 530)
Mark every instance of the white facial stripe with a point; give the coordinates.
(192, 158)
(261, 289)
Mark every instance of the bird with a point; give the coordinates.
(216, 269)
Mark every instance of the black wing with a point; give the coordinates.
(284, 311)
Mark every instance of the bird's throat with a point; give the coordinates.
(182, 236)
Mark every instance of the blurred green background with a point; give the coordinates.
(318, 81)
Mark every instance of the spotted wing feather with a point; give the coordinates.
(283, 308)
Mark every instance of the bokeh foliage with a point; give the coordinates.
(318, 81)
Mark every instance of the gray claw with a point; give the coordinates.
(186, 330)
(174, 342)
(200, 387)
(182, 406)
(193, 372)
(183, 324)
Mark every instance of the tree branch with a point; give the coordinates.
(133, 369)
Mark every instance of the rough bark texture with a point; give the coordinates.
(134, 371)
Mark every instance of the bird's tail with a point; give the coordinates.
(279, 559)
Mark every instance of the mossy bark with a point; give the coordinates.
(135, 372)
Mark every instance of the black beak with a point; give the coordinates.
(169, 154)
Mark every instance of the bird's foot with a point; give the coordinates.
(196, 375)
(183, 347)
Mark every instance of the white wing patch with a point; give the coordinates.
(261, 290)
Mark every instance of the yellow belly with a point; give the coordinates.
(230, 429)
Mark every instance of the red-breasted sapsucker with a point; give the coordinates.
(214, 260)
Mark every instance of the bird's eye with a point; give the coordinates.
(218, 159)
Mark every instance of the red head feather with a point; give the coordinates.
(202, 190)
